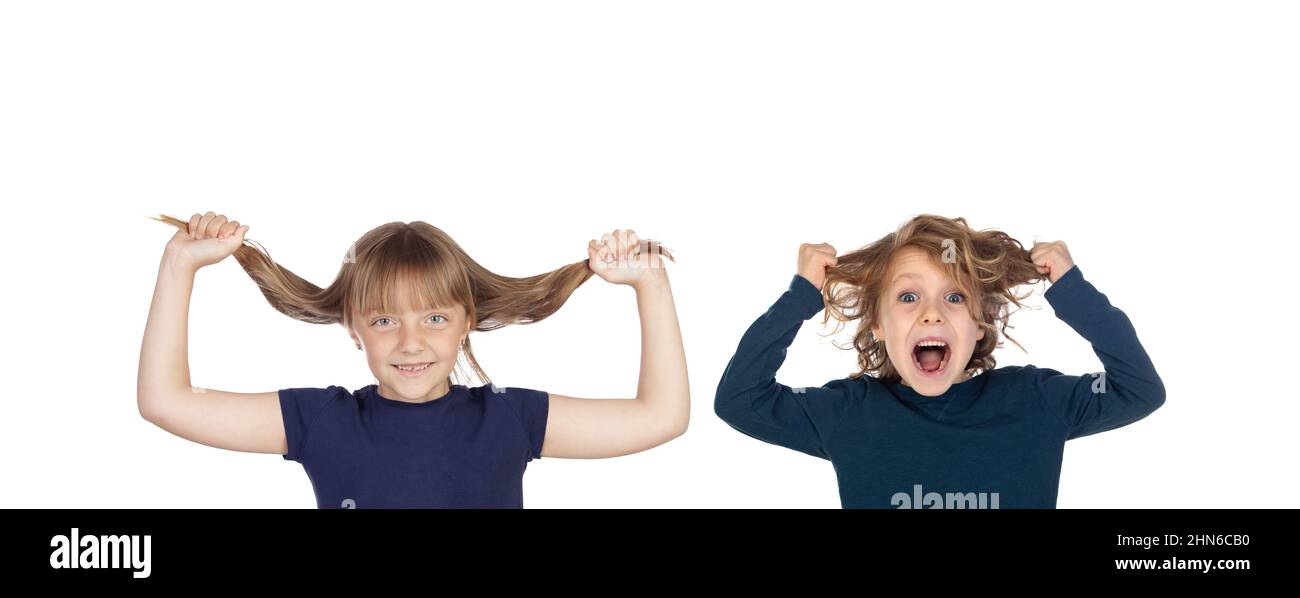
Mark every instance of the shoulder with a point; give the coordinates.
(526, 404)
(526, 407)
(850, 387)
(1021, 373)
(507, 394)
(837, 393)
(314, 396)
(1030, 383)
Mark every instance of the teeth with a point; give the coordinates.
(412, 368)
(932, 344)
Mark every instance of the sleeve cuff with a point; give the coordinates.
(1075, 301)
(803, 297)
(1067, 284)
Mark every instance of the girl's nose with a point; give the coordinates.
(409, 341)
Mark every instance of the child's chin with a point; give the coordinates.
(932, 389)
(407, 386)
(926, 385)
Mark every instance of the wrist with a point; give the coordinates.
(174, 262)
(1062, 272)
(654, 280)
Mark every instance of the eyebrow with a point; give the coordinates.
(954, 286)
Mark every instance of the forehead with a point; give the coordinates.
(404, 298)
(916, 264)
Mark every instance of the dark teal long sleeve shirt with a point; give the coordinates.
(993, 441)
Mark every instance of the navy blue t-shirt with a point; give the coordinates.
(466, 449)
(995, 440)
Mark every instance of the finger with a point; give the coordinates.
(236, 235)
(214, 226)
(228, 229)
(594, 260)
(201, 231)
(596, 250)
(633, 243)
(620, 244)
(194, 224)
(607, 240)
(602, 249)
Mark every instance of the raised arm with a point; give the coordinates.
(235, 421)
(750, 399)
(596, 428)
(1129, 389)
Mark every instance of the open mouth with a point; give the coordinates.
(412, 370)
(930, 356)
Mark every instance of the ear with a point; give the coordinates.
(469, 324)
(980, 335)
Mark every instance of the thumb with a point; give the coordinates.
(594, 258)
(236, 238)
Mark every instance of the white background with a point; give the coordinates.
(1158, 139)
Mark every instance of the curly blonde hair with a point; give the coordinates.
(986, 265)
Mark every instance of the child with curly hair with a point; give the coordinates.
(928, 421)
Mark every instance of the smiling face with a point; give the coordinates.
(926, 324)
(412, 350)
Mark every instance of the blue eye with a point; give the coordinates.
(956, 297)
(381, 320)
(904, 297)
(444, 318)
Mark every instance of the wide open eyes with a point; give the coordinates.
(910, 297)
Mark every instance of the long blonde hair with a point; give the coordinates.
(438, 271)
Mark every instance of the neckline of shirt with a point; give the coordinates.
(960, 390)
(454, 391)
